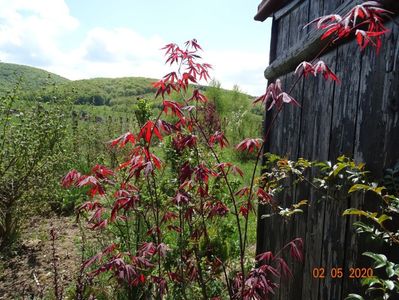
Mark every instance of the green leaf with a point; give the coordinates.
(390, 284)
(380, 260)
(299, 204)
(370, 281)
(354, 297)
(359, 187)
(338, 168)
(390, 198)
(390, 269)
(354, 211)
(323, 165)
(383, 218)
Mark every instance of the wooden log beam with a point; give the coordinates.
(311, 45)
(267, 8)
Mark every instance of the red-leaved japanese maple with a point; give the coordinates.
(131, 194)
(161, 230)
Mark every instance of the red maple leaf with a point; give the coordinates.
(306, 67)
(102, 172)
(169, 48)
(271, 94)
(284, 268)
(174, 107)
(263, 196)
(226, 167)
(296, 249)
(147, 131)
(123, 140)
(249, 145)
(198, 96)
(168, 216)
(220, 138)
(194, 44)
(70, 178)
(321, 67)
(147, 249)
(218, 209)
(266, 257)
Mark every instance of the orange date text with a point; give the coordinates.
(337, 272)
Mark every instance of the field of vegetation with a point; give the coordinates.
(50, 125)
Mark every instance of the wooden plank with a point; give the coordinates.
(291, 121)
(298, 19)
(345, 109)
(376, 122)
(314, 145)
(272, 241)
(282, 36)
(379, 112)
(345, 104)
(271, 233)
(330, 5)
(390, 100)
(262, 238)
(287, 9)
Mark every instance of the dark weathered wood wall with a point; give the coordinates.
(358, 118)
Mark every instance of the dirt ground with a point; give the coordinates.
(27, 273)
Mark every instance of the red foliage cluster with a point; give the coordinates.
(275, 95)
(319, 67)
(249, 145)
(99, 175)
(259, 283)
(131, 190)
(192, 73)
(365, 19)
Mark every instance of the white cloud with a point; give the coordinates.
(112, 53)
(30, 33)
(29, 29)
(121, 43)
(240, 67)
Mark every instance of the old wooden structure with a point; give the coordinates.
(358, 117)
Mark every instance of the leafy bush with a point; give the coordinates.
(30, 155)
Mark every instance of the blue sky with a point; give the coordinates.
(97, 38)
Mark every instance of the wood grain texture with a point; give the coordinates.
(358, 117)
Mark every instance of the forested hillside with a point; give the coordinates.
(102, 91)
(30, 78)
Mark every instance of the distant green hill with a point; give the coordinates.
(110, 96)
(30, 78)
(116, 92)
(102, 91)
(97, 91)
